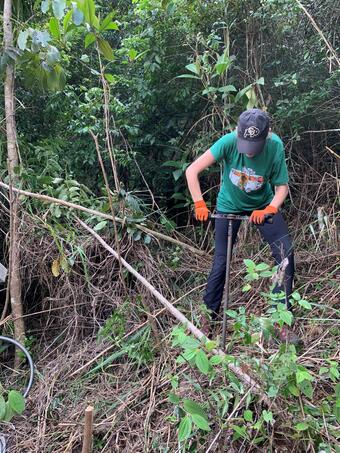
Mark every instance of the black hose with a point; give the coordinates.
(29, 359)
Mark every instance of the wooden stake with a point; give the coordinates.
(88, 430)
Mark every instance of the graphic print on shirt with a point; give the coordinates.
(246, 179)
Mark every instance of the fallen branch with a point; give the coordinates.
(78, 207)
(245, 378)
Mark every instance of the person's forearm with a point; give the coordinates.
(281, 193)
(193, 184)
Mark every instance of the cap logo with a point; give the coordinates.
(251, 132)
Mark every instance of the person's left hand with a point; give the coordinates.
(258, 217)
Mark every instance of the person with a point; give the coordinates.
(253, 161)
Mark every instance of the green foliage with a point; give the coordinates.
(14, 405)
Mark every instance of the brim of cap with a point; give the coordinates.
(250, 146)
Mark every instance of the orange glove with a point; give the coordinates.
(201, 210)
(258, 217)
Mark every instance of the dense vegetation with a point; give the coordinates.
(113, 102)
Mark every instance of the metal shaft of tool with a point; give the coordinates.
(227, 284)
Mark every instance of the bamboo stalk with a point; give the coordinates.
(88, 430)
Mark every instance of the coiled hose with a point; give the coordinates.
(30, 381)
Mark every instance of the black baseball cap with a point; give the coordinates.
(252, 131)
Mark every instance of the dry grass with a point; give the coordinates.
(64, 315)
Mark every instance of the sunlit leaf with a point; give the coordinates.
(89, 39)
(184, 429)
(22, 39)
(105, 49)
(58, 7)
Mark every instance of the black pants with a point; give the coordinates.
(276, 234)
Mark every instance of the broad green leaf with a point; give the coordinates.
(45, 4)
(287, 317)
(220, 68)
(303, 375)
(305, 304)
(9, 413)
(193, 68)
(202, 362)
(172, 163)
(54, 27)
(248, 415)
(227, 89)
(296, 295)
(210, 345)
(22, 39)
(89, 39)
(260, 81)
(232, 313)
(132, 54)
(336, 409)
(52, 55)
(323, 370)
(209, 90)
(187, 76)
(105, 22)
(147, 239)
(193, 408)
(262, 267)
(250, 264)
(272, 391)
(293, 390)
(173, 398)
(89, 10)
(243, 92)
(77, 16)
(266, 274)
(177, 174)
(222, 64)
(216, 360)
(184, 429)
(112, 26)
(105, 49)
(56, 80)
(334, 373)
(58, 7)
(67, 20)
(2, 407)
(190, 343)
(16, 401)
(267, 416)
(109, 77)
(252, 98)
(301, 426)
(239, 431)
(100, 225)
(41, 38)
(200, 422)
(246, 288)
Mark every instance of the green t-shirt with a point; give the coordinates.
(247, 182)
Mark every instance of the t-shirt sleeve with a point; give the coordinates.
(279, 174)
(220, 148)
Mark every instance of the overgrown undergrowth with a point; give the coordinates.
(101, 341)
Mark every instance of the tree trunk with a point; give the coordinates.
(13, 161)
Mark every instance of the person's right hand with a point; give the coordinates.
(201, 210)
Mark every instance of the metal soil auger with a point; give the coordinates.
(230, 218)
